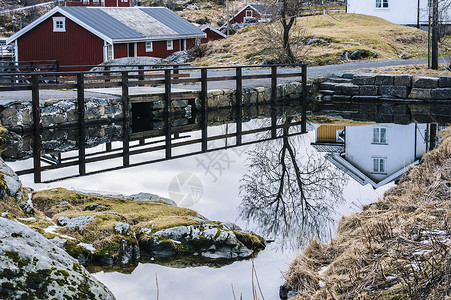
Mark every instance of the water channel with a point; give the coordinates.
(251, 174)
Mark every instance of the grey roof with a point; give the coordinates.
(133, 22)
(266, 9)
(102, 22)
(170, 19)
(329, 147)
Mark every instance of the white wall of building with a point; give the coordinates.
(403, 12)
(399, 149)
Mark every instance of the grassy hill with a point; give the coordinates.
(322, 39)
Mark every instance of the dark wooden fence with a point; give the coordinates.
(167, 77)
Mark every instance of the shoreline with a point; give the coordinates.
(396, 248)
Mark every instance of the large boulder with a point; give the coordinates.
(32, 267)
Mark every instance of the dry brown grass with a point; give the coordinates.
(414, 70)
(339, 33)
(396, 248)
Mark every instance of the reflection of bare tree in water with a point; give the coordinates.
(287, 195)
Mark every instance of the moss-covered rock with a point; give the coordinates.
(31, 267)
(116, 230)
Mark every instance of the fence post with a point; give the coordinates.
(239, 105)
(107, 74)
(304, 100)
(167, 109)
(141, 73)
(35, 101)
(273, 101)
(37, 156)
(204, 107)
(125, 96)
(57, 67)
(81, 123)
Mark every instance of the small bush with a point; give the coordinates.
(198, 51)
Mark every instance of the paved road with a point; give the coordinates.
(312, 72)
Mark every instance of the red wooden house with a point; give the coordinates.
(253, 13)
(91, 35)
(212, 34)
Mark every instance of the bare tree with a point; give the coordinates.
(288, 195)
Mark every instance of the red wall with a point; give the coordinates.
(159, 49)
(211, 36)
(120, 50)
(76, 46)
(240, 17)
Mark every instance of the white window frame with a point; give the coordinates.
(380, 165)
(381, 4)
(149, 46)
(95, 1)
(380, 135)
(249, 13)
(59, 24)
(169, 45)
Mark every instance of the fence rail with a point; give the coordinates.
(163, 76)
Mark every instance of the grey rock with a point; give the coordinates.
(37, 267)
(58, 242)
(364, 79)
(404, 80)
(150, 197)
(417, 93)
(347, 89)
(122, 227)
(444, 81)
(384, 79)
(441, 93)
(369, 90)
(178, 58)
(394, 91)
(425, 82)
(406, 56)
(75, 223)
(357, 54)
(12, 183)
(27, 207)
(127, 253)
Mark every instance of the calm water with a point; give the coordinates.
(229, 193)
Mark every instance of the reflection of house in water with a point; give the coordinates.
(375, 154)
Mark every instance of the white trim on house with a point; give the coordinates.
(169, 45)
(213, 29)
(95, 32)
(59, 24)
(48, 15)
(149, 49)
(360, 177)
(16, 51)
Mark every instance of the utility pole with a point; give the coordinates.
(227, 16)
(434, 64)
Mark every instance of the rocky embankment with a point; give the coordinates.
(46, 237)
(396, 248)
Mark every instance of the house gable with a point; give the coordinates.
(73, 46)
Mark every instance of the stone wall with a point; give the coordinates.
(63, 112)
(400, 99)
(59, 113)
(387, 87)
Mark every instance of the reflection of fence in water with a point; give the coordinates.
(154, 141)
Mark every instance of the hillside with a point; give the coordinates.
(320, 40)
